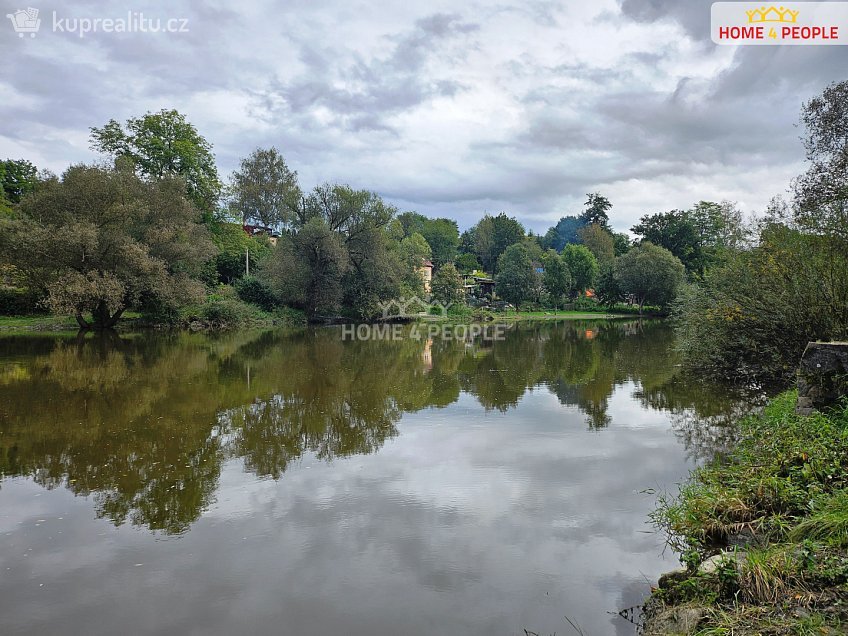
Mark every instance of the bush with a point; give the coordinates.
(226, 313)
(254, 291)
(19, 302)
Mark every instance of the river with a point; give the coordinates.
(334, 482)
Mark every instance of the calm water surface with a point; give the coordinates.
(278, 483)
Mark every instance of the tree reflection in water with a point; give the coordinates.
(144, 422)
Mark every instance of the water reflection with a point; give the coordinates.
(145, 422)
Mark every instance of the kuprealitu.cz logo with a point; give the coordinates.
(28, 22)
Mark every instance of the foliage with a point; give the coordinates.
(608, 291)
(583, 266)
(164, 144)
(650, 274)
(306, 271)
(226, 313)
(467, 263)
(264, 191)
(492, 236)
(234, 246)
(413, 251)
(442, 235)
(700, 237)
(447, 286)
(597, 210)
(821, 193)
(755, 314)
(103, 240)
(621, 243)
(18, 177)
(257, 292)
(557, 278)
(15, 301)
(565, 232)
(784, 490)
(675, 232)
(516, 276)
(599, 241)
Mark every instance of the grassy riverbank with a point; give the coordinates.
(776, 512)
(228, 314)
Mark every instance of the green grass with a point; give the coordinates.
(783, 494)
(36, 323)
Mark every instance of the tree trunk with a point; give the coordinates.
(103, 319)
(114, 319)
(83, 324)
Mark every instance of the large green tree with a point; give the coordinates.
(102, 240)
(362, 220)
(447, 286)
(557, 277)
(564, 232)
(597, 209)
(599, 241)
(676, 232)
(583, 266)
(264, 190)
(650, 274)
(307, 270)
(492, 235)
(164, 144)
(516, 277)
(442, 235)
(18, 177)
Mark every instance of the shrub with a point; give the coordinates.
(254, 291)
(226, 313)
(18, 302)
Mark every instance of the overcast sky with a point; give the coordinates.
(448, 108)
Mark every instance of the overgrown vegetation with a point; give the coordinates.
(757, 307)
(778, 503)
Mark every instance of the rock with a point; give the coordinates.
(714, 563)
(677, 621)
(669, 579)
(822, 376)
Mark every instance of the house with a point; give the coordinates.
(261, 230)
(479, 284)
(426, 273)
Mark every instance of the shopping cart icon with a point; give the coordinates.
(25, 21)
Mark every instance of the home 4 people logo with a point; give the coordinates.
(25, 21)
(734, 23)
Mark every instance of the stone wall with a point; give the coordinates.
(822, 376)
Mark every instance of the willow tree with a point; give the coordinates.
(101, 240)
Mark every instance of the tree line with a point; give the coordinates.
(155, 228)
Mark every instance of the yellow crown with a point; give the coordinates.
(772, 14)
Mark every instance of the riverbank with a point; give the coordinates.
(763, 533)
(236, 316)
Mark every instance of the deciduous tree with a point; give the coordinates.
(264, 190)
(650, 274)
(164, 144)
(102, 240)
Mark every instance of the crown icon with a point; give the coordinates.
(772, 14)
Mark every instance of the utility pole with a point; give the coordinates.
(247, 261)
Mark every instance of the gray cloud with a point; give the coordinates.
(450, 109)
